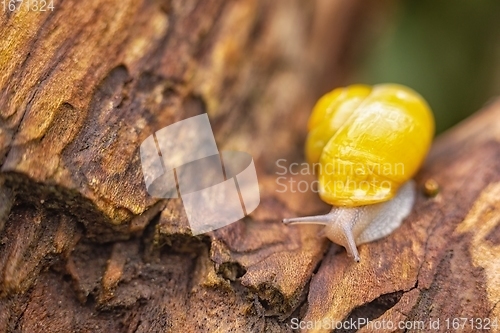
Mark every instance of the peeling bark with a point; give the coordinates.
(84, 248)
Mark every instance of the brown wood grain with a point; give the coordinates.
(84, 248)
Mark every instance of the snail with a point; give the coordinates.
(366, 143)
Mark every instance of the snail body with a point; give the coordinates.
(366, 144)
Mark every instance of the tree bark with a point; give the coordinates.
(84, 248)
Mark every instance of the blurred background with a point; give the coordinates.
(448, 51)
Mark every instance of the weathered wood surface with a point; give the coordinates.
(85, 249)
